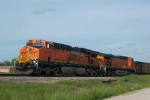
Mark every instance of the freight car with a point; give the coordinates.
(45, 57)
(142, 67)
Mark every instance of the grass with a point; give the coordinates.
(92, 89)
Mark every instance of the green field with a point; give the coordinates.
(92, 89)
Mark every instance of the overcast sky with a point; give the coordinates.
(119, 27)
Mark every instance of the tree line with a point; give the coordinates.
(7, 62)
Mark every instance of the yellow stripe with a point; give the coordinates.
(101, 57)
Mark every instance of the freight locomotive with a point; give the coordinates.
(46, 57)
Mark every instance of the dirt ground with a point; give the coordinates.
(143, 94)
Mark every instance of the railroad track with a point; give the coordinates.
(44, 79)
(13, 75)
(41, 75)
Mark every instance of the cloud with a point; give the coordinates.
(130, 45)
(146, 56)
(123, 27)
(42, 11)
(79, 45)
(116, 46)
(120, 46)
(136, 52)
(149, 36)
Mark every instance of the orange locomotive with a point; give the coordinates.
(119, 65)
(45, 57)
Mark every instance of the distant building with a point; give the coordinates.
(7, 69)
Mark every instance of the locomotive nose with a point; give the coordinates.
(27, 59)
(28, 54)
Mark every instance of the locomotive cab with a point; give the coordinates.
(35, 43)
(27, 61)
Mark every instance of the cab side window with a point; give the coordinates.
(47, 45)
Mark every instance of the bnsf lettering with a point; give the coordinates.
(72, 56)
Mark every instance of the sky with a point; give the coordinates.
(118, 27)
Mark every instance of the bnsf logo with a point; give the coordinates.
(73, 56)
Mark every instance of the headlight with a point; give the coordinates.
(30, 49)
(34, 61)
(27, 49)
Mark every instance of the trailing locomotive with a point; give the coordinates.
(45, 57)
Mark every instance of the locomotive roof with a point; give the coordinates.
(84, 50)
(78, 49)
(121, 57)
(39, 40)
(106, 55)
(55, 43)
(89, 51)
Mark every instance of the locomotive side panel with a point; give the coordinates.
(119, 62)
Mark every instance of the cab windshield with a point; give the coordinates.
(37, 45)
